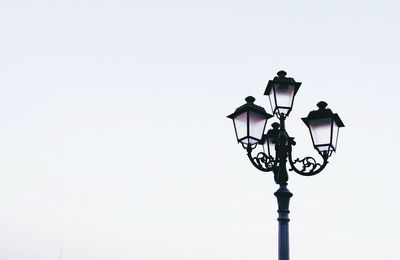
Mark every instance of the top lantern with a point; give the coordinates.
(281, 91)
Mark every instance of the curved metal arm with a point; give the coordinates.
(310, 166)
(262, 161)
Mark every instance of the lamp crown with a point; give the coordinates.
(321, 113)
(322, 105)
(282, 73)
(250, 99)
(275, 125)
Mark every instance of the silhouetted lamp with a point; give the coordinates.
(281, 91)
(324, 128)
(249, 121)
(269, 139)
(277, 146)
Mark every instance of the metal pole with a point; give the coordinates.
(283, 195)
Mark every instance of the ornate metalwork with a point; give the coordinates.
(278, 141)
(309, 166)
(262, 161)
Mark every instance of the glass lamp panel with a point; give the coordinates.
(250, 141)
(241, 125)
(265, 147)
(282, 110)
(323, 148)
(284, 96)
(321, 131)
(271, 146)
(335, 134)
(257, 124)
(272, 99)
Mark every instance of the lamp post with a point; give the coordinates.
(250, 120)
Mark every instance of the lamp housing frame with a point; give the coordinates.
(280, 81)
(249, 107)
(320, 114)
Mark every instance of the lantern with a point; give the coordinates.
(249, 121)
(281, 91)
(324, 128)
(269, 139)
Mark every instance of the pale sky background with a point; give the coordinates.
(114, 141)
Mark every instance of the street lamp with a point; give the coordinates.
(250, 120)
(281, 91)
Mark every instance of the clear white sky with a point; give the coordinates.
(114, 141)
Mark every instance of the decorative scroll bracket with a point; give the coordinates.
(262, 161)
(309, 166)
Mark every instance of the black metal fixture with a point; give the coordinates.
(250, 120)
